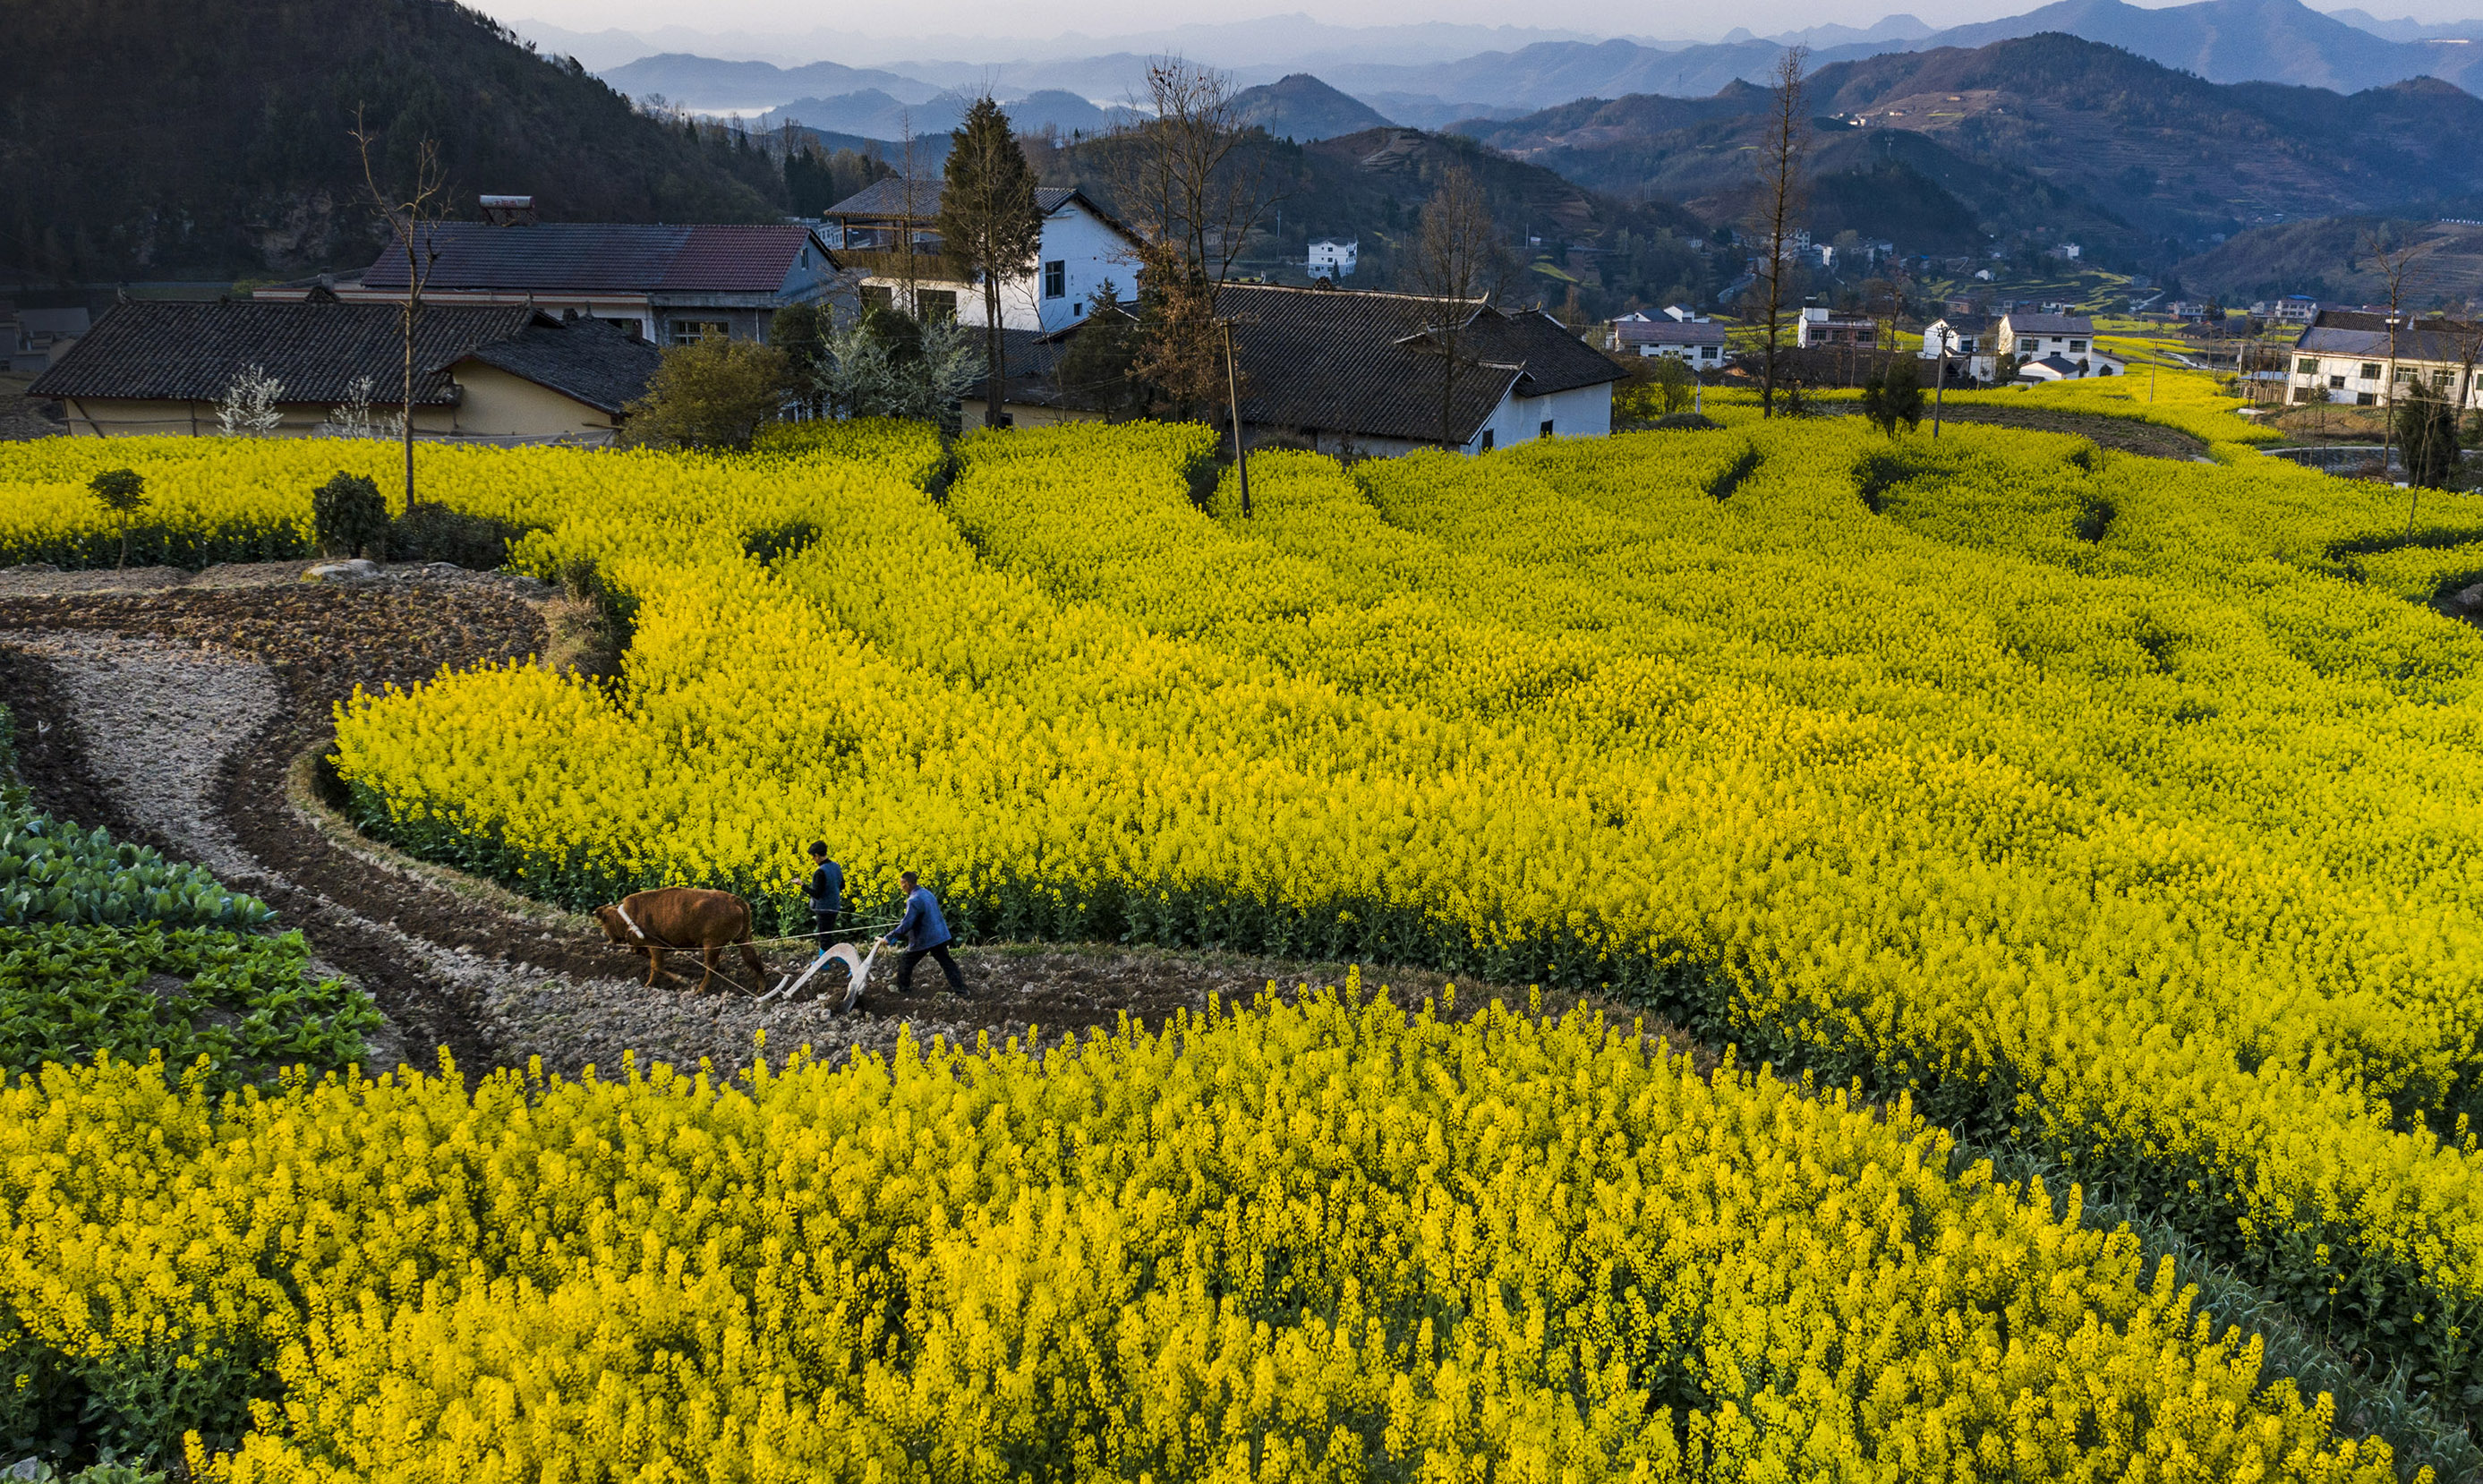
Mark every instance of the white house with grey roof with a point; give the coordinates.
(2355, 358)
(890, 233)
(2029, 338)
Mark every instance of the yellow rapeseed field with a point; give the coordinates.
(2115, 807)
(1305, 1241)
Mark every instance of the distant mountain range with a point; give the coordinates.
(1419, 85)
(2039, 136)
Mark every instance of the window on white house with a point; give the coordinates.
(1486, 440)
(2077, 345)
(692, 331)
(2370, 370)
(1546, 430)
(1056, 278)
(2366, 398)
(2336, 383)
(2306, 366)
(935, 303)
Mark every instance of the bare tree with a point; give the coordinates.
(1780, 202)
(412, 214)
(1181, 174)
(1183, 178)
(1458, 263)
(2394, 263)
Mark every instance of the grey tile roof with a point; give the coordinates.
(2353, 333)
(612, 257)
(586, 360)
(188, 351)
(1364, 364)
(1358, 363)
(1669, 332)
(2021, 324)
(885, 199)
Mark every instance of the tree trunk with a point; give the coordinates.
(997, 387)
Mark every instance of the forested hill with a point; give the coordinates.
(147, 139)
(2122, 146)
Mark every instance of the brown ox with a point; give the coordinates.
(683, 917)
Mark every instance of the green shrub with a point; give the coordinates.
(350, 517)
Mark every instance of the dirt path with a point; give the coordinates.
(176, 711)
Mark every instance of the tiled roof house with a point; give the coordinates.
(505, 373)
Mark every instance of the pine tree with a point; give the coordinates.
(990, 228)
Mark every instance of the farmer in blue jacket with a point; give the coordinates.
(923, 931)
(826, 891)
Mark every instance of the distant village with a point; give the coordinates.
(538, 332)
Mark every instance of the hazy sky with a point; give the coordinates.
(953, 18)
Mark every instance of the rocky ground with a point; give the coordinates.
(179, 710)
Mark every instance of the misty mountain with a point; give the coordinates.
(2046, 135)
(710, 85)
(2408, 29)
(2327, 258)
(874, 115)
(1890, 28)
(1301, 107)
(2221, 40)
(2231, 41)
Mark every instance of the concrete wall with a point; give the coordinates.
(496, 407)
(138, 418)
(1584, 412)
(500, 406)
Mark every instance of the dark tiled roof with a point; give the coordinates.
(1362, 364)
(622, 258)
(2354, 333)
(585, 360)
(2049, 324)
(886, 198)
(1669, 332)
(188, 351)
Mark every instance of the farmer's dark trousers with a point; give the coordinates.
(823, 930)
(939, 953)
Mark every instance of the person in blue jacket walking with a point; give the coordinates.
(826, 891)
(924, 932)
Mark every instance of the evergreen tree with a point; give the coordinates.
(1893, 396)
(2426, 428)
(990, 228)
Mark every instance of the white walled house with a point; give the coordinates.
(1825, 327)
(1334, 260)
(2350, 356)
(2071, 337)
(1081, 250)
(1969, 341)
(1698, 342)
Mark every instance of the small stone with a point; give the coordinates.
(341, 571)
(2469, 598)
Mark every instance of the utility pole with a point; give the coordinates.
(1233, 393)
(1939, 383)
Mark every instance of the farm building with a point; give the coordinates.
(507, 374)
(668, 284)
(2350, 356)
(1343, 370)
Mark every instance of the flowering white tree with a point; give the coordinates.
(249, 406)
(355, 420)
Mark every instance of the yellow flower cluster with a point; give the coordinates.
(2117, 804)
(1319, 1241)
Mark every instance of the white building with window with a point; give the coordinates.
(1334, 260)
(2034, 337)
(2349, 357)
(1698, 341)
(889, 231)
